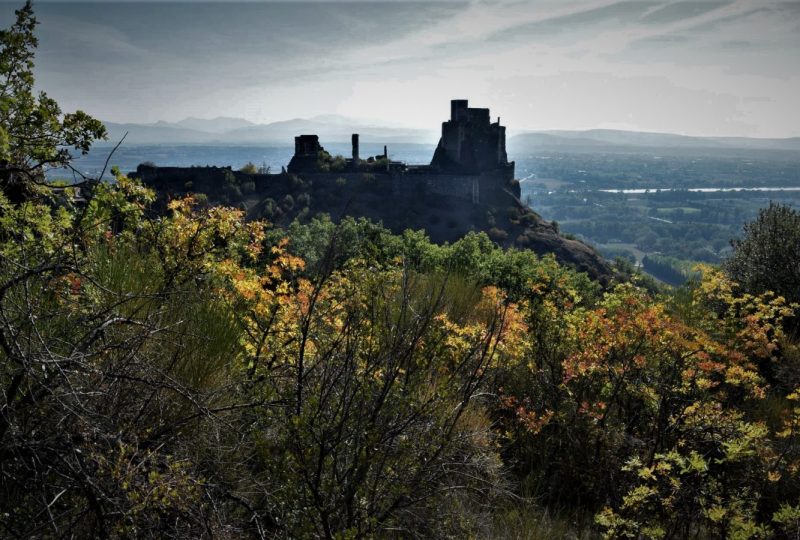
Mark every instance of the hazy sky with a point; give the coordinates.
(701, 68)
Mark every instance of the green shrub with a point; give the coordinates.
(498, 235)
(249, 168)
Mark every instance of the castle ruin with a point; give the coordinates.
(469, 163)
(469, 159)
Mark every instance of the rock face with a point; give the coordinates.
(468, 186)
(543, 237)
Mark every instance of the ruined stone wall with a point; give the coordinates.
(201, 178)
(473, 188)
(454, 185)
(350, 176)
(465, 187)
(469, 188)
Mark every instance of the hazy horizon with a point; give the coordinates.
(388, 124)
(729, 68)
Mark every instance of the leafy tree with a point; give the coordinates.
(767, 258)
(34, 133)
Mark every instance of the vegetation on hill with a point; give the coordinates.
(282, 199)
(193, 374)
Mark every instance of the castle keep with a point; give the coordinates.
(470, 143)
(469, 163)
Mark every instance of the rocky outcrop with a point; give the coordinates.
(530, 231)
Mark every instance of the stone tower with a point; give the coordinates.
(470, 143)
(306, 154)
(354, 140)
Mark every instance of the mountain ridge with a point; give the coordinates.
(669, 140)
(335, 128)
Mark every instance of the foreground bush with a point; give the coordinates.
(657, 414)
(177, 376)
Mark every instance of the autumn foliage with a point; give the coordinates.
(191, 374)
(161, 370)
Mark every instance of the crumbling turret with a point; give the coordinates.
(306, 154)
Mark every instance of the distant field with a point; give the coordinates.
(684, 209)
(649, 170)
(613, 248)
(686, 226)
(545, 183)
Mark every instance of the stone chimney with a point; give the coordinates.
(355, 149)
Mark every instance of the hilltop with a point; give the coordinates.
(469, 185)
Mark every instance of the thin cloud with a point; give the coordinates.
(693, 67)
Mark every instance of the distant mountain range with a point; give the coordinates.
(330, 128)
(617, 140)
(334, 128)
